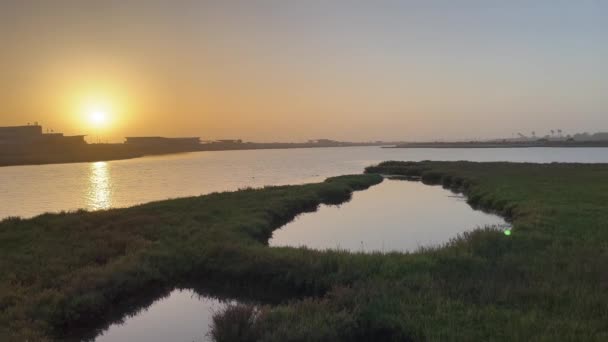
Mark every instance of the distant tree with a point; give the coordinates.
(560, 132)
(534, 134)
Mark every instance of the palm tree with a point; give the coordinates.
(552, 132)
(560, 132)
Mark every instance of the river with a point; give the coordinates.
(31, 190)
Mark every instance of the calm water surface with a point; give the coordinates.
(394, 215)
(31, 190)
(182, 316)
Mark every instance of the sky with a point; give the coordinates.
(298, 70)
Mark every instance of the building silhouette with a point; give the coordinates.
(33, 135)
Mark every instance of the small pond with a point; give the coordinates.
(395, 215)
(183, 315)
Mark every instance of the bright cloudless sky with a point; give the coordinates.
(297, 70)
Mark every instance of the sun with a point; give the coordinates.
(98, 116)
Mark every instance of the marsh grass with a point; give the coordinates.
(546, 281)
(61, 271)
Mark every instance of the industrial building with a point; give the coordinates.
(33, 135)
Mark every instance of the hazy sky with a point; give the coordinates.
(293, 70)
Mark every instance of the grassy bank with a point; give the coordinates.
(546, 281)
(59, 271)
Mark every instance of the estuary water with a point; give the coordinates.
(31, 190)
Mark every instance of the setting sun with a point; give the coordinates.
(98, 112)
(98, 117)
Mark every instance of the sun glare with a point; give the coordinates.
(98, 117)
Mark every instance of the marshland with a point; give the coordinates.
(545, 280)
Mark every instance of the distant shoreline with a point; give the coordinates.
(558, 144)
(60, 154)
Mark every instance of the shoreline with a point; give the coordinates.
(108, 152)
(553, 144)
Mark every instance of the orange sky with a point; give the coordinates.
(272, 71)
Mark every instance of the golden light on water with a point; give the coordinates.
(99, 194)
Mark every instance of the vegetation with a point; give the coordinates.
(61, 271)
(546, 281)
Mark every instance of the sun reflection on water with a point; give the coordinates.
(99, 194)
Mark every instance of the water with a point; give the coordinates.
(181, 316)
(394, 215)
(31, 190)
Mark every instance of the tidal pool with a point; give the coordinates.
(395, 215)
(183, 315)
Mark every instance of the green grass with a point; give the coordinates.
(59, 271)
(548, 280)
